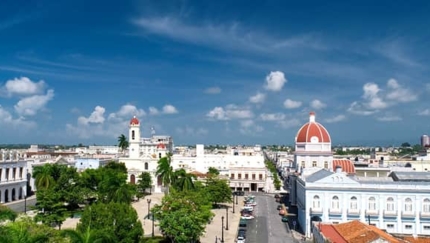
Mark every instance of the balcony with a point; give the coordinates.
(354, 212)
(336, 211)
(316, 210)
(373, 212)
(390, 213)
(408, 214)
(425, 215)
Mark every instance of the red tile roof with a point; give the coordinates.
(346, 164)
(330, 232)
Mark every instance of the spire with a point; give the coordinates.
(312, 116)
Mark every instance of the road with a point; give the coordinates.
(18, 206)
(267, 225)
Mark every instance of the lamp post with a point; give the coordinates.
(222, 229)
(226, 218)
(233, 201)
(25, 203)
(152, 226)
(149, 206)
(236, 198)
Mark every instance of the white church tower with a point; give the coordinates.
(134, 138)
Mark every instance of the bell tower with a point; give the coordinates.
(134, 138)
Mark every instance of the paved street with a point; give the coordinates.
(18, 206)
(267, 225)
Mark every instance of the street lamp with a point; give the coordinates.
(222, 229)
(25, 203)
(149, 206)
(233, 201)
(226, 218)
(152, 225)
(236, 198)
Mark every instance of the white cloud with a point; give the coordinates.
(272, 116)
(125, 112)
(190, 131)
(425, 112)
(153, 111)
(169, 109)
(213, 90)
(388, 118)
(230, 112)
(337, 118)
(29, 106)
(23, 86)
(249, 127)
(398, 93)
(258, 98)
(317, 104)
(7, 120)
(292, 104)
(275, 81)
(96, 117)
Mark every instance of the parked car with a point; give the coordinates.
(285, 219)
(247, 216)
(240, 239)
(242, 223)
(279, 207)
(241, 232)
(277, 196)
(249, 208)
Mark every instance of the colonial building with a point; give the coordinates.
(144, 154)
(13, 176)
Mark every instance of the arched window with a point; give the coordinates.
(316, 202)
(390, 204)
(408, 205)
(159, 155)
(426, 205)
(372, 203)
(132, 179)
(325, 165)
(146, 166)
(335, 203)
(132, 135)
(353, 203)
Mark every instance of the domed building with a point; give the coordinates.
(313, 146)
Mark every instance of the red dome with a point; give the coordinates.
(134, 121)
(312, 132)
(161, 146)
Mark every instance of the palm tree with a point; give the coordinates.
(19, 232)
(7, 214)
(183, 180)
(165, 170)
(89, 236)
(43, 177)
(122, 142)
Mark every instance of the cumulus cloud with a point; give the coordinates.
(272, 116)
(425, 112)
(257, 98)
(275, 81)
(375, 99)
(7, 120)
(280, 119)
(230, 112)
(190, 131)
(96, 117)
(153, 111)
(292, 104)
(337, 118)
(389, 118)
(23, 86)
(249, 127)
(212, 90)
(317, 104)
(29, 106)
(169, 109)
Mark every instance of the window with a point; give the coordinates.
(426, 205)
(7, 174)
(253, 176)
(260, 176)
(353, 203)
(325, 165)
(132, 135)
(159, 155)
(13, 173)
(372, 203)
(239, 176)
(335, 203)
(314, 164)
(316, 202)
(146, 166)
(390, 204)
(246, 176)
(390, 226)
(408, 226)
(408, 205)
(21, 170)
(232, 176)
(303, 164)
(426, 227)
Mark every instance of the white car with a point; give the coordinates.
(247, 217)
(240, 239)
(248, 208)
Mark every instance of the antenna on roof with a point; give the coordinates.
(152, 131)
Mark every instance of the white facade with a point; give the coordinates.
(13, 177)
(396, 206)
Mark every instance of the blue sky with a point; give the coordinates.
(228, 72)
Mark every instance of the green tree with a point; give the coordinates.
(7, 214)
(123, 142)
(119, 221)
(212, 171)
(51, 210)
(181, 219)
(165, 170)
(183, 180)
(43, 177)
(87, 236)
(24, 231)
(218, 190)
(145, 182)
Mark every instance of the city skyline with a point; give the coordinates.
(213, 73)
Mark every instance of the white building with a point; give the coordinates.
(144, 154)
(13, 176)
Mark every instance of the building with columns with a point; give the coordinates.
(144, 153)
(13, 176)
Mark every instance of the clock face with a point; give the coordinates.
(314, 139)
